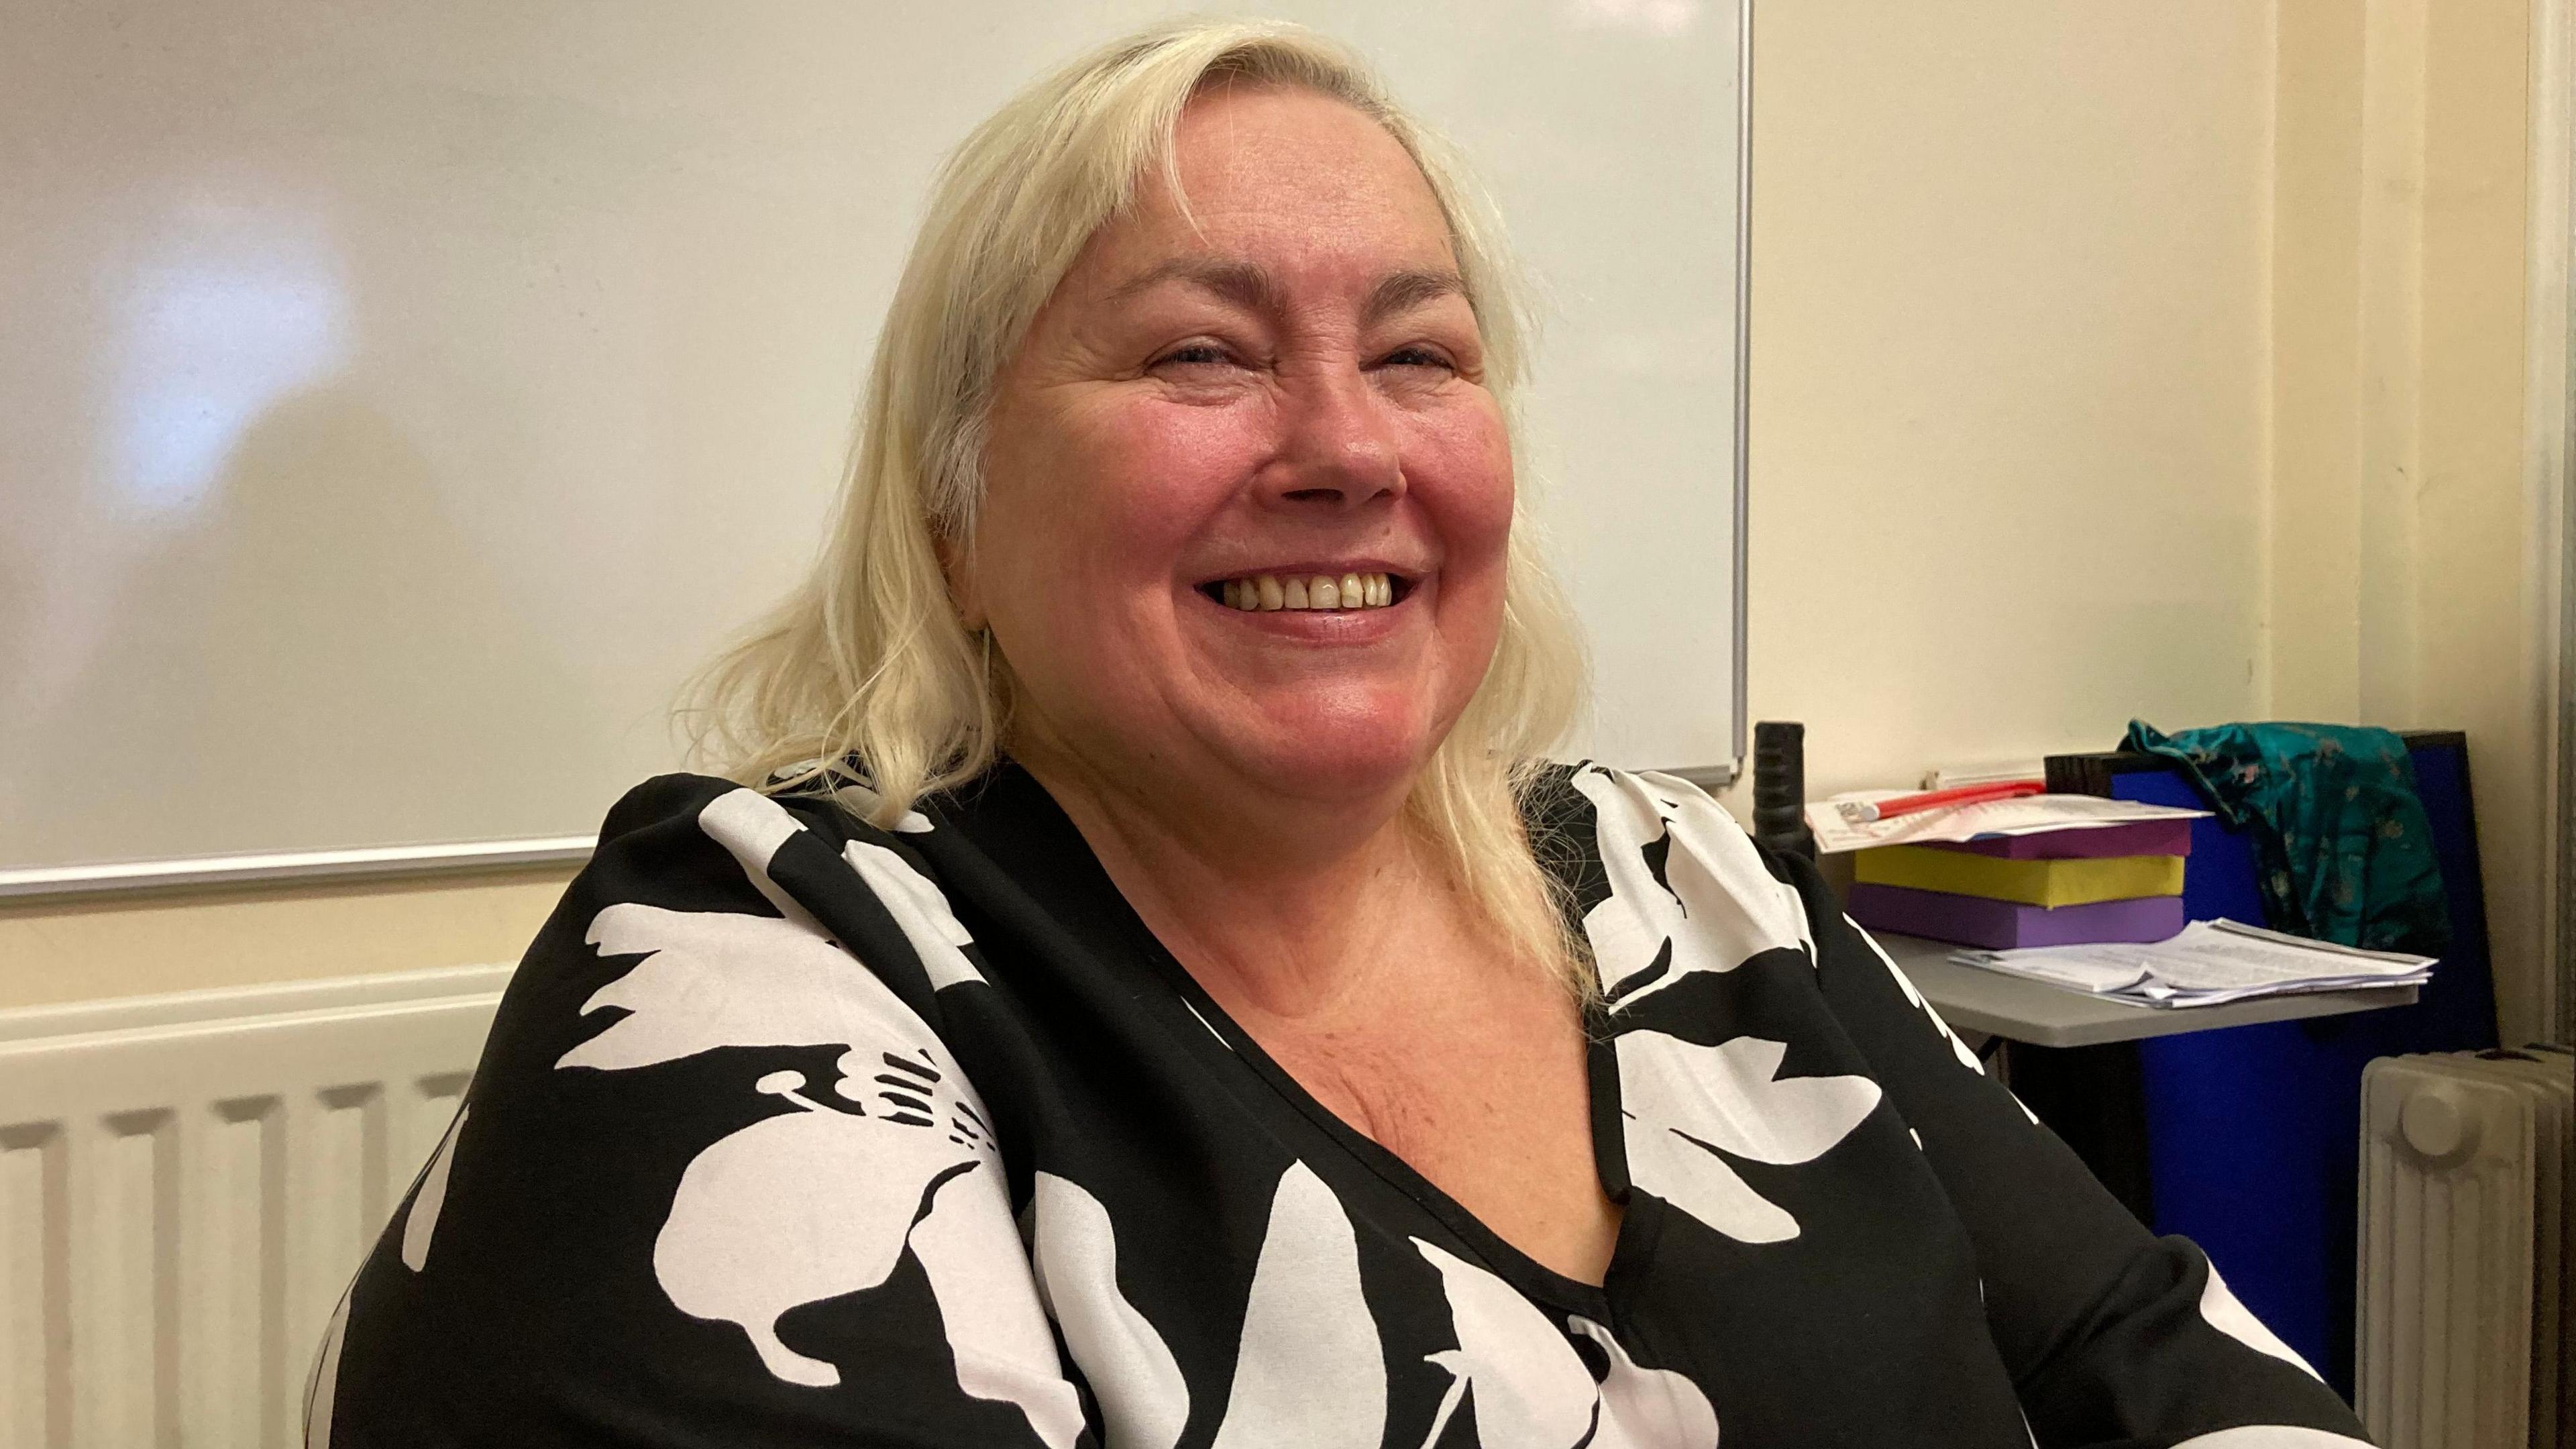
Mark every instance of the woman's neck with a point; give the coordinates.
(1283, 906)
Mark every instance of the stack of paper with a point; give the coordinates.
(2031, 882)
(2209, 963)
(2071, 886)
(2022, 815)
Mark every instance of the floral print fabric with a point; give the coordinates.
(792, 1131)
(2343, 847)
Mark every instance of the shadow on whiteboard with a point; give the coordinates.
(310, 627)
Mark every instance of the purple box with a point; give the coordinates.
(2099, 842)
(2002, 925)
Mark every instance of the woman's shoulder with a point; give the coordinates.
(1558, 793)
(737, 1026)
(721, 871)
(1615, 811)
(839, 806)
(1662, 877)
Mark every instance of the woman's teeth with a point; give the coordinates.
(1318, 591)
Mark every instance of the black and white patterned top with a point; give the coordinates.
(792, 1131)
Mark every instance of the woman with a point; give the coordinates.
(1144, 1002)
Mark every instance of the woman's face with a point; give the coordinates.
(1204, 417)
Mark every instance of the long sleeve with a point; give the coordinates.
(2113, 1336)
(718, 1180)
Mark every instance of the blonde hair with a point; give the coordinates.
(864, 681)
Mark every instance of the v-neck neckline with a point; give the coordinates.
(1632, 1246)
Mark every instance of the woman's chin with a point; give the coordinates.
(1347, 761)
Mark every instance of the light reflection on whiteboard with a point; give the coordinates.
(249, 309)
(1645, 17)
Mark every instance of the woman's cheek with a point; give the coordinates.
(1170, 462)
(1462, 478)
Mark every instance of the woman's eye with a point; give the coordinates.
(1419, 357)
(1193, 354)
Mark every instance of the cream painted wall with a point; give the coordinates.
(2406, 587)
(184, 941)
(2167, 362)
(2010, 262)
(2482, 644)
(2076, 334)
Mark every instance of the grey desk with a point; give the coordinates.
(1993, 1004)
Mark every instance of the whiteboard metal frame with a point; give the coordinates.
(295, 865)
(1720, 777)
(402, 860)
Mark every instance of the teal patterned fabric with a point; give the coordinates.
(2341, 841)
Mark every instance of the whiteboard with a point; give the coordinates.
(397, 400)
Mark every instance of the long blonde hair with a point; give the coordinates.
(864, 681)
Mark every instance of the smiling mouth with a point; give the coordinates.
(1330, 593)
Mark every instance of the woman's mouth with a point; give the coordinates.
(1327, 592)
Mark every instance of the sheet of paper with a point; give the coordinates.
(2303, 946)
(2023, 815)
(2091, 978)
(2214, 960)
(2209, 963)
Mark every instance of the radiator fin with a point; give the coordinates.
(35, 1300)
(187, 1184)
(2464, 1266)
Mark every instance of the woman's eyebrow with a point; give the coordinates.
(1246, 284)
(1400, 291)
(1250, 285)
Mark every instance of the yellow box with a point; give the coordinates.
(2031, 882)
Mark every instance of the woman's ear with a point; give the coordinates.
(965, 593)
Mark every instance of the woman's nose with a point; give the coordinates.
(1341, 446)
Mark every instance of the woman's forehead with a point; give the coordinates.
(1271, 177)
(1249, 144)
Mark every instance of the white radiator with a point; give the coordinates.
(187, 1184)
(2467, 1253)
